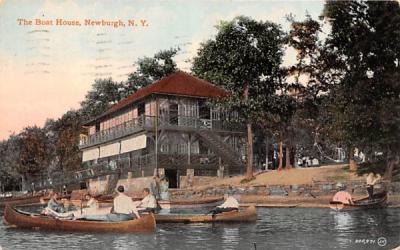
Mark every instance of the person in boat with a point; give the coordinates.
(343, 196)
(372, 179)
(91, 204)
(230, 204)
(54, 205)
(148, 203)
(123, 207)
(56, 209)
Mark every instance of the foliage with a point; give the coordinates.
(151, 69)
(103, 94)
(363, 106)
(33, 153)
(243, 53)
(244, 58)
(65, 132)
(9, 152)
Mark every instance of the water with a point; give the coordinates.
(280, 228)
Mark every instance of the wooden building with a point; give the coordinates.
(167, 127)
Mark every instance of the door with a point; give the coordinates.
(172, 177)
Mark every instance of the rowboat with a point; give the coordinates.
(16, 218)
(185, 204)
(379, 200)
(247, 215)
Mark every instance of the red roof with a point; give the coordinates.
(178, 83)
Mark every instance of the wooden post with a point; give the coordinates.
(189, 148)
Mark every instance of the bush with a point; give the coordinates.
(245, 180)
(367, 167)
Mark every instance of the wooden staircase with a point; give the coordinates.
(226, 152)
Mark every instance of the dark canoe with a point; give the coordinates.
(379, 200)
(15, 218)
(18, 201)
(176, 204)
(192, 203)
(247, 215)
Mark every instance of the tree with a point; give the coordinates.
(103, 94)
(308, 84)
(244, 58)
(277, 119)
(9, 161)
(151, 69)
(365, 47)
(64, 136)
(33, 156)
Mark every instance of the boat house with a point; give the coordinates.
(167, 128)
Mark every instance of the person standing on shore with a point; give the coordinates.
(372, 179)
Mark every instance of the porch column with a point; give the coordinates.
(189, 147)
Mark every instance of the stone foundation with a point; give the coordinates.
(133, 186)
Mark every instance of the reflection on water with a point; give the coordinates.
(230, 237)
(343, 221)
(275, 229)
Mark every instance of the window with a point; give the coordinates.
(164, 148)
(140, 109)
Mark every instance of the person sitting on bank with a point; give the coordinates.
(372, 179)
(230, 204)
(148, 203)
(123, 207)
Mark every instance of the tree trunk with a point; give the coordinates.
(391, 162)
(24, 183)
(112, 183)
(352, 164)
(280, 156)
(266, 153)
(249, 167)
(287, 154)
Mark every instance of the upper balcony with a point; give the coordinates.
(152, 123)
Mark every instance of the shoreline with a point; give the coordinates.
(300, 202)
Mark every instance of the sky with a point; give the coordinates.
(47, 66)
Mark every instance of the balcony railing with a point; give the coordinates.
(123, 129)
(167, 122)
